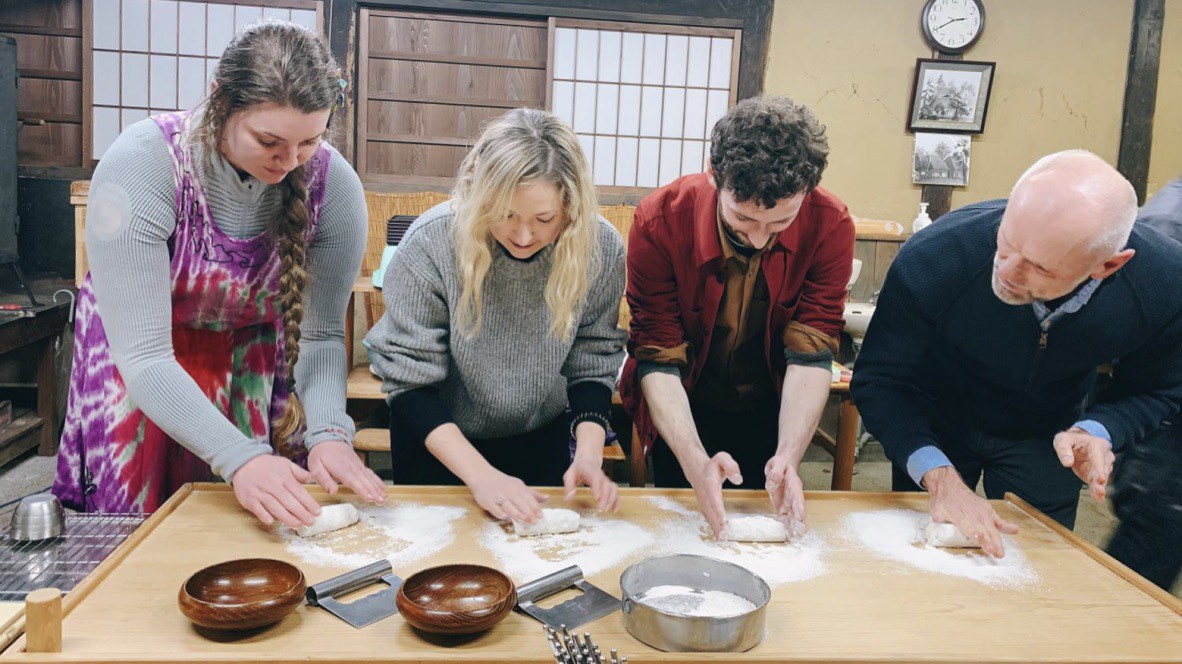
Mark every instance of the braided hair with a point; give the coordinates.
(288, 65)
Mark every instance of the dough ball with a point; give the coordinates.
(948, 536)
(332, 517)
(754, 529)
(553, 522)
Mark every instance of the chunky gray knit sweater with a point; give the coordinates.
(127, 246)
(512, 376)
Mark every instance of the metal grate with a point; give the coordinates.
(64, 561)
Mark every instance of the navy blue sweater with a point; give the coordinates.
(942, 346)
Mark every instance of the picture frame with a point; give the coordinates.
(950, 96)
(941, 158)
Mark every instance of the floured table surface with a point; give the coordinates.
(851, 592)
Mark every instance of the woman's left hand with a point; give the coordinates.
(588, 469)
(335, 461)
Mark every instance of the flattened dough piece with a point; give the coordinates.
(553, 522)
(948, 536)
(332, 517)
(755, 529)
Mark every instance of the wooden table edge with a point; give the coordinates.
(92, 580)
(1095, 553)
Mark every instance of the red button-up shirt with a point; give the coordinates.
(675, 280)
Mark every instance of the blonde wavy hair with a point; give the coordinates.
(522, 147)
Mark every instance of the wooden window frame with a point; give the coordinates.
(735, 34)
(88, 160)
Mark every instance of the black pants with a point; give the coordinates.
(749, 437)
(1027, 467)
(1147, 496)
(538, 457)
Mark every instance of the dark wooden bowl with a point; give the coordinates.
(456, 599)
(242, 594)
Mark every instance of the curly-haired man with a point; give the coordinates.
(736, 282)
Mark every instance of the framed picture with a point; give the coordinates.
(950, 96)
(941, 159)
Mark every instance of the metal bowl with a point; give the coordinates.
(674, 632)
(37, 517)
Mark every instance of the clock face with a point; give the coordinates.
(953, 25)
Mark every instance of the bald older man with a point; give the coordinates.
(983, 350)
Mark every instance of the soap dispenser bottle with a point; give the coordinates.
(922, 220)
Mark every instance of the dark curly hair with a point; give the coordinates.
(767, 149)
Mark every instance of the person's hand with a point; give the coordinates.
(952, 502)
(706, 476)
(272, 487)
(786, 492)
(506, 497)
(1089, 456)
(335, 461)
(588, 470)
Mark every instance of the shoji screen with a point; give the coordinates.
(642, 98)
(150, 56)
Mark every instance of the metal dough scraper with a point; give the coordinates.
(364, 611)
(592, 605)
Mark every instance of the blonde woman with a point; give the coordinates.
(501, 310)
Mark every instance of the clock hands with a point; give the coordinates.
(951, 22)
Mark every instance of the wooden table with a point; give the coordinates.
(1085, 608)
(34, 336)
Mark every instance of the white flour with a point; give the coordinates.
(685, 531)
(402, 534)
(597, 545)
(898, 535)
(685, 601)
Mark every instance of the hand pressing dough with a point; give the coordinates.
(948, 536)
(332, 517)
(755, 529)
(553, 522)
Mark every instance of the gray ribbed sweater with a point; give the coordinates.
(132, 214)
(511, 377)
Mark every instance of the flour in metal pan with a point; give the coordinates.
(403, 534)
(598, 544)
(683, 530)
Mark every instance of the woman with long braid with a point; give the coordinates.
(502, 309)
(223, 243)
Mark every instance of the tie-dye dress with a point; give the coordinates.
(227, 334)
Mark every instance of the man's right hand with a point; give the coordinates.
(706, 476)
(951, 501)
(272, 487)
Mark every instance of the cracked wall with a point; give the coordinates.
(1059, 84)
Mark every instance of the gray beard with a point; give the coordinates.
(1003, 295)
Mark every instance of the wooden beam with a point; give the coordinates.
(49, 31)
(445, 58)
(757, 30)
(1136, 130)
(340, 25)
